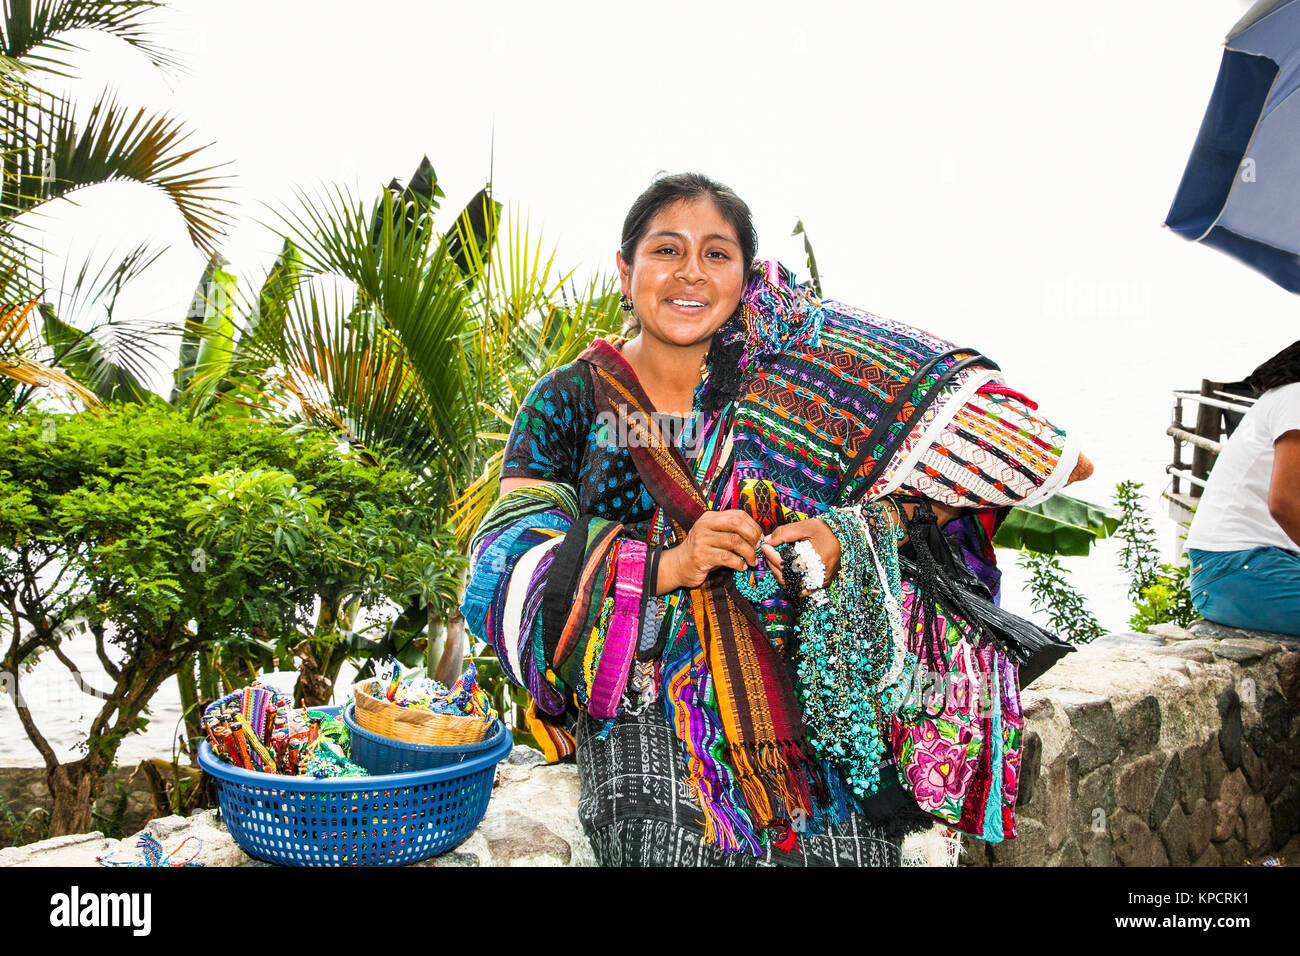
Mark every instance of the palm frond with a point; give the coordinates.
(527, 321)
(115, 354)
(406, 284)
(17, 369)
(30, 27)
(47, 156)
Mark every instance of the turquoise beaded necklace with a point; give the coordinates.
(852, 664)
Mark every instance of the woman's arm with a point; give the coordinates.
(1284, 485)
(718, 539)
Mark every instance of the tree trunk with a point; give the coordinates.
(313, 689)
(434, 640)
(452, 659)
(71, 786)
(190, 705)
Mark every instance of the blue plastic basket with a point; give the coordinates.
(380, 754)
(386, 820)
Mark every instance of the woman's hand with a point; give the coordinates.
(814, 530)
(718, 539)
(1082, 469)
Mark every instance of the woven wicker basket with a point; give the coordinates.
(383, 717)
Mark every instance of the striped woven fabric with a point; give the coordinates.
(586, 657)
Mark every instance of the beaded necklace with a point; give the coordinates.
(852, 663)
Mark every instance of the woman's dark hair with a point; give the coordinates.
(724, 360)
(1282, 369)
(684, 187)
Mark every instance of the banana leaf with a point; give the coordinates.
(216, 346)
(1060, 525)
(267, 324)
(201, 307)
(477, 224)
(416, 204)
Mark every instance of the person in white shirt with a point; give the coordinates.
(1244, 542)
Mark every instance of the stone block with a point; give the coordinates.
(1192, 785)
(1252, 767)
(1277, 758)
(1139, 724)
(1029, 848)
(523, 756)
(516, 839)
(1208, 630)
(1199, 651)
(1284, 811)
(1258, 825)
(1175, 835)
(1096, 792)
(1031, 757)
(1228, 806)
(1034, 705)
(1229, 705)
(1068, 855)
(1062, 778)
(1128, 639)
(1288, 677)
(1232, 853)
(1171, 632)
(1215, 768)
(974, 853)
(1093, 721)
(1135, 844)
(1136, 785)
(165, 827)
(1244, 650)
(1210, 857)
(1099, 850)
(1166, 790)
(1200, 828)
(1275, 716)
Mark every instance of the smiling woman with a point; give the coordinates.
(713, 616)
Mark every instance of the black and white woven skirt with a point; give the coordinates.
(637, 811)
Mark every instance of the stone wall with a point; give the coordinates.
(1140, 750)
(24, 789)
(532, 820)
(1178, 748)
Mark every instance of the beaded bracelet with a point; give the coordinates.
(809, 564)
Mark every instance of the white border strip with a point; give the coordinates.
(516, 592)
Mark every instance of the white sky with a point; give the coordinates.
(995, 173)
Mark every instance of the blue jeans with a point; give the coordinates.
(1257, 589)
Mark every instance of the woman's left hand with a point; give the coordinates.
(816, 531)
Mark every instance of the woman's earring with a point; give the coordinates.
(625, 302)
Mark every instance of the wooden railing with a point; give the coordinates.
(1217, 414)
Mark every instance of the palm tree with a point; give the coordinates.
(45, 156)
(409, 342)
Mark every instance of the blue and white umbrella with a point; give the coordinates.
(1240, 193)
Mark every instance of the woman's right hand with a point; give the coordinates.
(718, 539)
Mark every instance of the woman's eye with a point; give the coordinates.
(719, 254)
(665, 249)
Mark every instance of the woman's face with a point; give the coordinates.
(687, 275)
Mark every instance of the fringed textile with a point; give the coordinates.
(526, 554)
